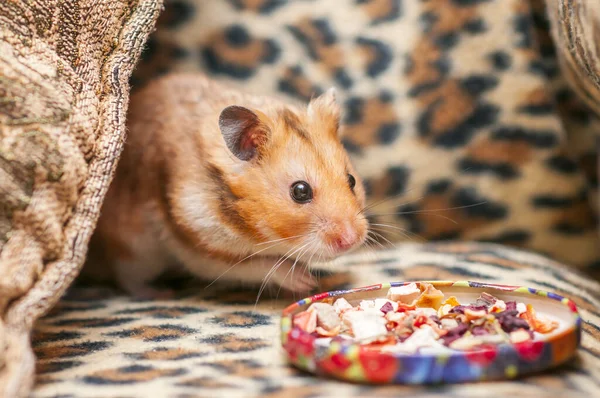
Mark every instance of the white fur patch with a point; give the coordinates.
(195, 204)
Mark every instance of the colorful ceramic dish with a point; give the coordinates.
(348, 360)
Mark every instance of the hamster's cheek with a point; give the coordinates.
(286, 220)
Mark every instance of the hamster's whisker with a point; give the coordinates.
(399, 231)
(380, 202)
(280, 260)
(367, 243)
(371, 245)
(402, 231)
(243, 259)
(377, 234)
(425, 211)
(274, 269)
(370, 248)
(280, 240)
(318, 276)
(422, 213)
(307, 264)
(403, 193)
(371, 242)
(374, 241)
(313, 241)
(387, 226)
(298, 257)
(384, 200)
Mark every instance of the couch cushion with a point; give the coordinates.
(216, 343)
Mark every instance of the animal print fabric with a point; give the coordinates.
(452, 108)
(64, 72)
(216, 343)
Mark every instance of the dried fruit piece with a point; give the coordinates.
(342, 305)
(469, 342)
(327, 318)
(396, 316)
(425, 311)
(328, 333)
(486, 300)
(449, 323)
(366, 304)
(306, 320)
(455, 334)
(406, 294)
(479, 331)
(420, 320)
(474, 314)
(380, 303)
(430, 298)
(365, 324)
(460, 309)
(435, 323)
(452, 301)
(387, 307)
(498, 306)
(405, 307)
(519, 336)
(444, 310)
(538, 324)
(510, 321)
(421, 338)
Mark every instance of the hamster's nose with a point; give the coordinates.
(344, 238)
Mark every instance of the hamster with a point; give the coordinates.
(225, 184)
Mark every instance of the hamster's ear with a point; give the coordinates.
(326, 110)
(244, 133)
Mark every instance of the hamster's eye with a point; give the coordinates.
(351, 181)
(301, 192)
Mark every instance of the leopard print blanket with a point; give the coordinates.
(456, 111)
(217, 343)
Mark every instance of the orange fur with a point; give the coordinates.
(180, 195)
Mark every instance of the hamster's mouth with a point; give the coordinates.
(328, 252)
(317, 247)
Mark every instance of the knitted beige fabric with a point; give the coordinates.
(64, 70)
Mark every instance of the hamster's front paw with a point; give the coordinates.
(135, 278)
